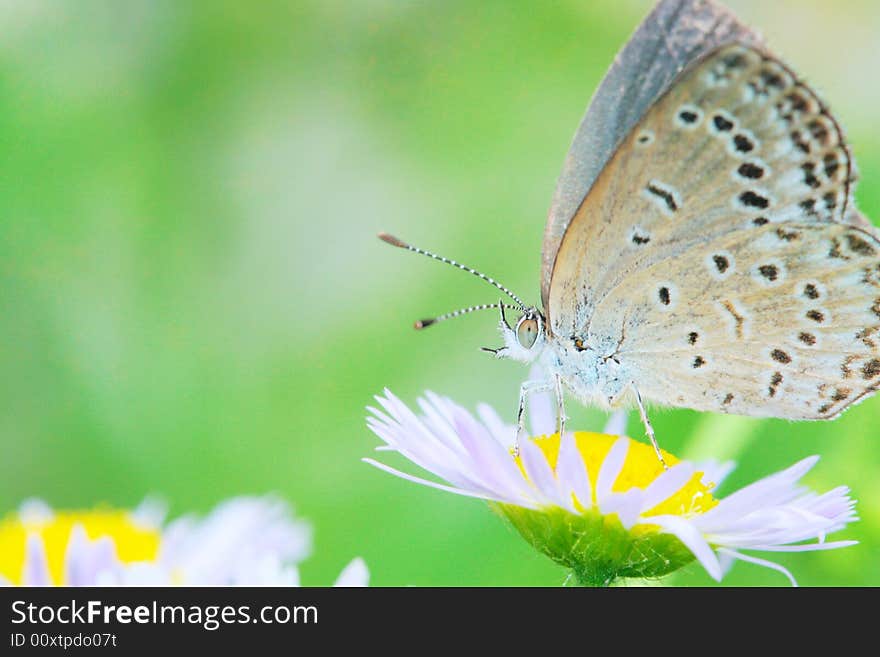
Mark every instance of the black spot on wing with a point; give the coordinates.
(743, 144)
(780, 356)
(722, 124)
(807, 338)
(750, 171)
(859, 245)
(831, 164)
(871, 369)
(810, 178)
(775, 380)
(721, 263)
(770, 272)
(752, 199)
(840, 394)
(663, 194)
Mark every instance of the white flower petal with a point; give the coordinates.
(761, 562)
(36, 564)
(725, 560)
(782, 521)
(504, 433)
(444, 455)
(492, 464)
(136, 574)
(616, 425)
(85, 559)
(267, 569)
(415, 444)
(35, 511)
(714, 472)
(775, 489)
(355, 574)
(667, 484)
(571, 472)
(438, 486)
(805, 547)
(693, 540)
(539, 472)
(237, 530)
(151, 513)
(439, 419)
(626, 505)
(611, 467)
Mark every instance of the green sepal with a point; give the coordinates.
(597, 548)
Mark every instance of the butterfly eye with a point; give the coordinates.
(527, 332)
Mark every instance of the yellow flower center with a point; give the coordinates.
(640, 469)
(133, 542)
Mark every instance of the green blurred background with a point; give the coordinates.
(194, 304)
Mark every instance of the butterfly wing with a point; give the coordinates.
(674, 34)
(718, 256)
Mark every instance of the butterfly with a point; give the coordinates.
(703, 249)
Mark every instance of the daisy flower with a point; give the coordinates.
(601, 504)
(244, 541)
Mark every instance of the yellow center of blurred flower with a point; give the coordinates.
(640, 469)
(133, 542)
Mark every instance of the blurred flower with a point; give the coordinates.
(355, 574)
(602, 505)
(243, 541)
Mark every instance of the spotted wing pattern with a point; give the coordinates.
(719, 257)
(674, 34)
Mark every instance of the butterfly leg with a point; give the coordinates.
(649, 429)
(526, 389)
(560, 405)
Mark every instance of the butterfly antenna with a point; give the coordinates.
(393, 241)
(425, 323)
